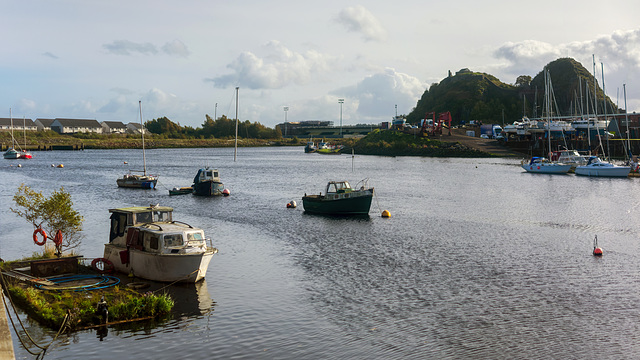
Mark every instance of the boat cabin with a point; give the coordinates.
(207, 174)
(166, 238)
(122, 218)
(337, 187)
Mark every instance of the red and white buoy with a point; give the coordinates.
(597, 251)
(226, 192)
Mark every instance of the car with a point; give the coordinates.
(484, 136)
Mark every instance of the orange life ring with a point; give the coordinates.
(107, 265)
(58, 238)
(35, 236)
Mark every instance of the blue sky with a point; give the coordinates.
(96, 59)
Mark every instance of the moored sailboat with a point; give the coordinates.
(542, 165)
(137, 181)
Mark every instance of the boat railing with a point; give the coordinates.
(364, 182)
(181, 223)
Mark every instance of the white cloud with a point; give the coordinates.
(176, 47)
(358, 19)
(279, 68)
(619, 53)
(126, 47)
(376, 95)
(50, 55)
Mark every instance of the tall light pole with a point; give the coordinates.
(286, 108)
(235, 151)
(341, 101)
(215, 113)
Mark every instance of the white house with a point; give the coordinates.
(6, 124)
(44, 124)
(113, 127)
(135, 128)
(72, 126)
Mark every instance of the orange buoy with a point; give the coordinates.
(597, 251)
(386, 214)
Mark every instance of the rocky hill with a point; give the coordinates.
(470, 95)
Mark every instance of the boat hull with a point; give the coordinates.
(189, 268)
(618, 171)
(354, 203)
(181, 191)
(547, 168)
(208, 188)
(137, 182)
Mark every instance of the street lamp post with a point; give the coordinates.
(286, 126)
(341, 101)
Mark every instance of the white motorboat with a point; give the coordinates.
(600, 168)
(147, 243)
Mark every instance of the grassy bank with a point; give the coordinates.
(395, 143)
(78, 309)
(118, 141)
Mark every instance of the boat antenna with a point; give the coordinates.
(604, 111)
(235, 151)
(626, 117)
(144, 158)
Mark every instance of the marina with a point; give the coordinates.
(470, 266)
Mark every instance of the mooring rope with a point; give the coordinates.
(15, 329)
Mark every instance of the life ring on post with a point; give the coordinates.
(58, 238)
(35, 236)
(107, 265)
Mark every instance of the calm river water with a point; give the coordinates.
(479, 258)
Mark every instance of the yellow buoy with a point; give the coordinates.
(386, 214)
(60, 166)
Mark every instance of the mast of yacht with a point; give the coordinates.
(595, 102)
(12, 139)
(24, 131)
(144, 158)
(547, 106)
(235, 150)
(626, 118)
(604, 109)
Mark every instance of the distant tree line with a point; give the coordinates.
(222, 127)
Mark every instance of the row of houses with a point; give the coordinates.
(70, 126)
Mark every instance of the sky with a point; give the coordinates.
(184, 59)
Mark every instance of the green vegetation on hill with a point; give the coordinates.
(220, 128)
(478, 96)
(395, 143)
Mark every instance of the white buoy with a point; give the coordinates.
(291, 204)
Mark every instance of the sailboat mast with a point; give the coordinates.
(548, 106)
(235, 151)
(604, 108)
(144, 158)
(11, 119)
(24, 131)
(626, 117)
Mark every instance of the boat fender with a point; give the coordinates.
(138, 285)
(107, 265)
(35, 236)
(58, 238)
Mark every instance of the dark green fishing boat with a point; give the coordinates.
(340, 199)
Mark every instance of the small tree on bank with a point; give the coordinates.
(51, 214)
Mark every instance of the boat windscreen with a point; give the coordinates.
(171, 240)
